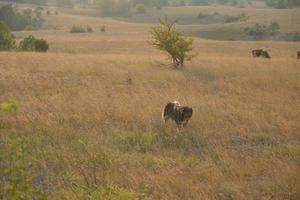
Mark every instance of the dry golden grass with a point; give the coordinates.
(90, 129)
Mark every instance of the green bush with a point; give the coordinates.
(7, 39)
(9, 106)
(81, 29)
(167, 38)
(77, 29)
(30, 43)
(17, 172)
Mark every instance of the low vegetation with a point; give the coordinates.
(103, 28)
(81, 29)
(7, 39)
(167, 38)
(219, 18)
(261, 30)
(30, 43)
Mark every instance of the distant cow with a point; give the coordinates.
(260, 53)
(298, 54)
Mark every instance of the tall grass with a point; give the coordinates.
(95, 135)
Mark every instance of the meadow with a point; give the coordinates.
(88, 124)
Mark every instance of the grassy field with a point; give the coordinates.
(89, 126)
(188, 17)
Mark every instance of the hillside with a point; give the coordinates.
(89, 126)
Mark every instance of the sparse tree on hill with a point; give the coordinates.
(7, 39)
(167, 38)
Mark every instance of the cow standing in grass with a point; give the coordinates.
(180, 114)
(260, 53)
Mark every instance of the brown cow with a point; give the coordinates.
(298, 54)
(180, 114)
(260, 53)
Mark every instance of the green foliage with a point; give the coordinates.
(167, 38)
(81, 29)
(140, 8)
(283, 3)
(241, 17)
(219, 18)
(10, 105)
(77, 29)
(103, 28)
(16, 171)
(259, 30)
(296, 37)
(7, 39)
(17, 20)
(30, 43)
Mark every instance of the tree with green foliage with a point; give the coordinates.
(167, 38)
(30, 43)
(7, 39)
(17, 20)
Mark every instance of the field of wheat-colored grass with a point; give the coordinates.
(89, 116)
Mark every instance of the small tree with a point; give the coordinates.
(167, 38)
(7, 39)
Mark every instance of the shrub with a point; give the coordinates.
(89, 29)
(167, 38)
(7, 39)
(9, 106)
(103, 29)
(296, 36)
(30, 43)
(17, 172)
(81, 29)
(77, 29)
(241, 17)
